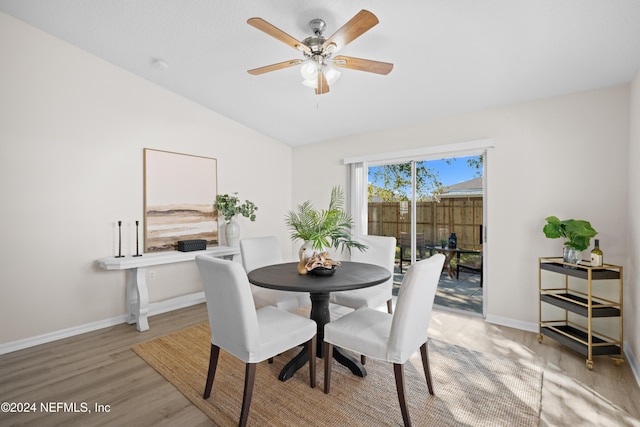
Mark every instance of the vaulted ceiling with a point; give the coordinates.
(449, 56)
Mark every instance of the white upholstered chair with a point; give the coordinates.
(257, 252)
(381, 251)
(391, 337)
(251, 336)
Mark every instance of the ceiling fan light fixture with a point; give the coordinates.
(331, 74)
(309, 71)
(313, 84)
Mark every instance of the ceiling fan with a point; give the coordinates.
(318, 65)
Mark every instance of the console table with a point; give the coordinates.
(137, 296)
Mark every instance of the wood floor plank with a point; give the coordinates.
(100, 368)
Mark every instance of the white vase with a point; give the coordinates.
(307, 249)
(232, 233)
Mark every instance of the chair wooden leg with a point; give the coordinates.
(311, 349)
(328, 361)
(271, 358)
(398, 372)
(213, 364)
(363, 359)
(424, 350)
(249, 379)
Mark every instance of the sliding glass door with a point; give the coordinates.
(393, 191)
(426, 205)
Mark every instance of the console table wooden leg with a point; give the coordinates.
(137, 298)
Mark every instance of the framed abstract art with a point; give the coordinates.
(179, 192)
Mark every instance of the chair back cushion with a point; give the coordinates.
(413, 308)
(257, 252)
(381, 251)
(232, 315)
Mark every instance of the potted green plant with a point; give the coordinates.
(229, 206)
(323, 229)
(576, 232)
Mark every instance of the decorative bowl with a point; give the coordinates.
(322, 271)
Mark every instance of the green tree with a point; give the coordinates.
(380, 193)
(396, 180)
(475, 162)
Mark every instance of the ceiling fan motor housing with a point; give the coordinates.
(314, 43)
(317, 26)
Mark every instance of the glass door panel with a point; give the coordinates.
(421, 203)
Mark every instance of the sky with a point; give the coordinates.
(453, 173)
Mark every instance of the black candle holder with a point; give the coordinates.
(119, 240)
(137, 252)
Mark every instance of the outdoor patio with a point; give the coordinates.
(463, 295)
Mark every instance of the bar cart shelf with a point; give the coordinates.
(576, 335)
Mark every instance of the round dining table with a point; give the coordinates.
(347, 276)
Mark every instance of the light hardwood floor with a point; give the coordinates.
(100, 368)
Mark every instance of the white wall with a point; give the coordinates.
(632, 267)
(72, 133)
(563, 156)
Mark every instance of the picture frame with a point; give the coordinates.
(179, 193)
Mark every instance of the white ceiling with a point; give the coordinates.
(450, 56)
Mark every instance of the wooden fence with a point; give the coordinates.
(436, 220)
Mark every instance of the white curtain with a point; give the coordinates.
(358, 202)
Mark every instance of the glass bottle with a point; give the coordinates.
(596, 255)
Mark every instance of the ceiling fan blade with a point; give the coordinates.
(273, 31)
(362, 22)
(363, 64)
(323, 86)
(274, 67)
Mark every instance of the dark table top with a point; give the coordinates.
(348, 276)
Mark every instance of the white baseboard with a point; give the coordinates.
(175, 303)
(633, 362)
(511, 323)
(154, 308)
(58, 335)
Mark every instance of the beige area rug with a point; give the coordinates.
(471, 388)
